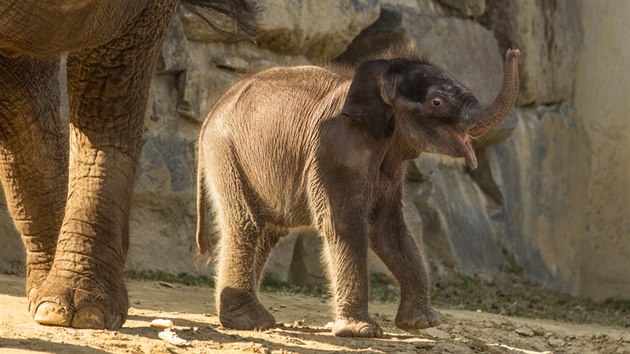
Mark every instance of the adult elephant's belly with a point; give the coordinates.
(27, 27)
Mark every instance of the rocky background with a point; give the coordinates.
(551, 195)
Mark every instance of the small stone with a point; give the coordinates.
(162, 323)
(538, 331)
(172, 338)
(556, 342)
(524, 331)
(434, 332)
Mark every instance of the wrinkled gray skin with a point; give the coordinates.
(70, 202)
(298, 146)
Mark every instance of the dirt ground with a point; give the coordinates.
(301, 328)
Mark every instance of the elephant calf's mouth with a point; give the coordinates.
(469, 152)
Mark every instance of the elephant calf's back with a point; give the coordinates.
(269, 124)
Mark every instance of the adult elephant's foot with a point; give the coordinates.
(413, 316)
(38, 265)
(349, 327)
(77, 300)
(35, 278)
(242, 310)
(40, 255)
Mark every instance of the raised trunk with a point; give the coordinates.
(485, 118)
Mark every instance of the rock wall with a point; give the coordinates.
(551, 193)
(601, 100)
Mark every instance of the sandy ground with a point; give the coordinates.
(301, 329)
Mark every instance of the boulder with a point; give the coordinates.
(317, 29)
(541, 173)
(468, 8)
(549, 34)
(425, 7)
(163, 216)
(196, 29)
(214, 67)
(457, 232)
(308, 267)
(601, 101)
(174, 56)
(279, 264)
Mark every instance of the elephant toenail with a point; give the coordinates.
(89, 317)
(118, 321)
(50, 313)
(366, 331)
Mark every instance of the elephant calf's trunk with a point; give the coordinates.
(488, 117)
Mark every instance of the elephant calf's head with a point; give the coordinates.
(433, 112)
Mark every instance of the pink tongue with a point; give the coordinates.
(471, 158)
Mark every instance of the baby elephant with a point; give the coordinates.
(309, 146)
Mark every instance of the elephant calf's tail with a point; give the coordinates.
(203, 239)
(236, 18)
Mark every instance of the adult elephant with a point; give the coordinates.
(71, 203)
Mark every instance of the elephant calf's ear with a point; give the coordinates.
(364, 103)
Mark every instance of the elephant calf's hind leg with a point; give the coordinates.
(239, 264)
(238, 274)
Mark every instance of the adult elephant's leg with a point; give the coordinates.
(391, 241)
(108, 88)
(33, 158)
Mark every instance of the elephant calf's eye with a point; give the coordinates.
(437, 102)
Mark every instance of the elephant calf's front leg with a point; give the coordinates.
(392, 242)
(347, 258)
(345, 235)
